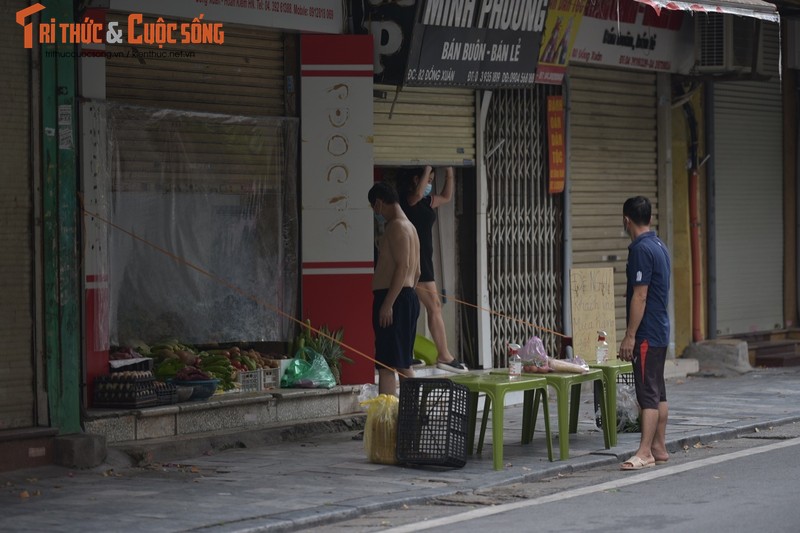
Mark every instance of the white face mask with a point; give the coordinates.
(428, 189)
(378, 217)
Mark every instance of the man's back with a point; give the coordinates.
(649, 264)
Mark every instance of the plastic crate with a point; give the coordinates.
(166, 393)
(251, 380)
(258, 380)
(123, 394)
(270, 379)
(625, 378)
(432, 423)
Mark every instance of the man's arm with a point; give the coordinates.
(635, 315)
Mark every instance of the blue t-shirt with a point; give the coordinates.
(649, 264)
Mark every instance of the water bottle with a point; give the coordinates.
(601, 352)
(514, 361)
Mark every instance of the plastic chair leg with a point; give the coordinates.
(574, 407)
(604, 414)
(498, 411)
(562, 401)
(472, 407)
(611, 405)
(542, 394)
(487, 404)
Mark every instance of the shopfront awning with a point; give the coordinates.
(743, 8)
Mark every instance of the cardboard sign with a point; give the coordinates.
(592, 303)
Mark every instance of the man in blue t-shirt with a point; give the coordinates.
(647, 333)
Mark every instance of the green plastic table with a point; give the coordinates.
(611, 369)
(568, 396)
(495, 388)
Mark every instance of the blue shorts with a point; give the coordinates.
(394, 345)
(648, 374)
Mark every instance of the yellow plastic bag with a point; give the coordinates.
(380, 432)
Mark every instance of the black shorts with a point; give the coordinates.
(648, 374)
(394, 345)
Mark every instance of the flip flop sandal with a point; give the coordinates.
(636, 463)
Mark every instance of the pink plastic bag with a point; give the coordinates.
(534, 357)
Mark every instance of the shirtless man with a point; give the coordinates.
(395, 307)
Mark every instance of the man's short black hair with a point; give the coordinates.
(637, 209)
(384, 192)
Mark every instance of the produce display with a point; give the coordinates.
(174, 360)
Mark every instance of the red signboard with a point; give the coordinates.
(555, 143)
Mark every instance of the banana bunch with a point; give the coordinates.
(172, 349)
(218, 366)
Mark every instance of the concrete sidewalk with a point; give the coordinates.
(320, 480)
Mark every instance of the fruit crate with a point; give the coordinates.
(166, 393)
(432, 422)
(123, 392)
(258, 380)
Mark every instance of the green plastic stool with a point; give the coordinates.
(425, 350)
(568, 396)
(495, 388)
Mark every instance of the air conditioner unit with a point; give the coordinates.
(726, 44)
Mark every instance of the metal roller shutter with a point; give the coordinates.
(414, 125)
(613, 155)
(16, 262)
(242, 77)
(524, 221)
(749, 206)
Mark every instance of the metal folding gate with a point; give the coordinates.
(524, 222)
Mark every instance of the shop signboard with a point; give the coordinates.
(322, 16)
(487, 44)
(560, 29)
(629, 34)
(390, 24)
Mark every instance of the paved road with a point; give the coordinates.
(326, 479)
(743, 484)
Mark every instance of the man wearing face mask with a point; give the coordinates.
(419, 204)
(647, 333)
(395, 307)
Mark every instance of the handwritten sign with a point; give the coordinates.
(592, 303)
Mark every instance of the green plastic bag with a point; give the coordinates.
(308, 370)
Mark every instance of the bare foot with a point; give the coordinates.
(660, 457)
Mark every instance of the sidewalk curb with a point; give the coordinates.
(349, 509)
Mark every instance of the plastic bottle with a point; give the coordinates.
(601, 352)
(514, 361)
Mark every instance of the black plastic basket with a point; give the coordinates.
(432, 423)
(625, 378)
